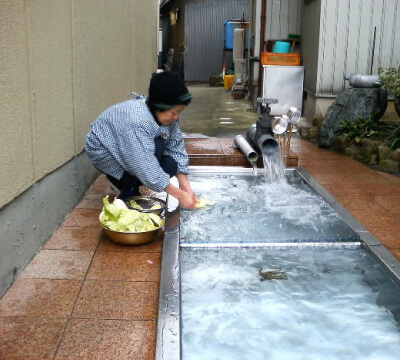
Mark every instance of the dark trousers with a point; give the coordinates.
(129, 184)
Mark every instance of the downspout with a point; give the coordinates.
(262, 39)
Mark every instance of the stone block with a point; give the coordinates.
(352, 104)
(369, 147)
(353, 151)
(395, 155)
(340, 143)
(389, 166)
(317, 120)
(372, 159)
(384, 152)
(313, 132)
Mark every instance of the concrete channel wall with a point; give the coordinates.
(62, 63)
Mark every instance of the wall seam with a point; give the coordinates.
(394, 32)
(31, 94)
(73, 83)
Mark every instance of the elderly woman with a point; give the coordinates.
(139, 141)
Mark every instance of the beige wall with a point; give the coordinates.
(62, 63)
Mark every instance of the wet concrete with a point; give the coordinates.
(214, 112)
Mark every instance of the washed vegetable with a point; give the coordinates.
(201, 203)
(120, 204)
(135, 205)
(118, 218)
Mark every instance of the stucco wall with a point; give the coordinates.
(62, 63)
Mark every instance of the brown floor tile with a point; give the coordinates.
(117, 300)
(155, 246)
(101, 185)
(125, 266)
(354, 202)
(391, 177)
(368, 207)
(381, 189)
(29, 339)
(74, 238)
(319, 168)
(341, 189)
(59, 264)
(94, 200)
(389, 237)
(366, 178)
(389, 202)
(107, 339)
(83, 218)
(40, 298)
(374, 222)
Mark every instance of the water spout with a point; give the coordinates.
(264, 141)
(246, 149)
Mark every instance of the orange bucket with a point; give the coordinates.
(228, 81)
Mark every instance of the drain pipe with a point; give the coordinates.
(246, 149)
(262, 40)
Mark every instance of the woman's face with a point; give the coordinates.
(169, 116)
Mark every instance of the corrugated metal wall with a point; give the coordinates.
(204, 25)
(282, 18)
(356, 37)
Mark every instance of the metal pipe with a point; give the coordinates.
(265, 142)
(246, 149)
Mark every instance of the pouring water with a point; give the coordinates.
(274, 169)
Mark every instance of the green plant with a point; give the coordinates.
(357, 130)
(390, 79)
(393, 140)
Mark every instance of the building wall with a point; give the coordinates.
(204, 26)
(310, 30)
(282, 18)
(355, 37)
(62, 63)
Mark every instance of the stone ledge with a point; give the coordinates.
(220, 152)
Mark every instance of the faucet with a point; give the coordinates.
(261, 134)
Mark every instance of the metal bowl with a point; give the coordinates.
(147, 202)
(131, 238)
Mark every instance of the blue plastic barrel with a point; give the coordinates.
(229, 31)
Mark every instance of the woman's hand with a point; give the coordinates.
(188, 200)
(185, 187)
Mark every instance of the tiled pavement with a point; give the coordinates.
(83, 297)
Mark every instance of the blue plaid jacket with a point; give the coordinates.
(122, 139)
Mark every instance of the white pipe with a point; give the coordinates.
(246, 149)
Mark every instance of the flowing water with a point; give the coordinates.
(249, 210)
(314, 294)
(274, 169)
(335, 303)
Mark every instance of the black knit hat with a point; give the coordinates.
(167, 89)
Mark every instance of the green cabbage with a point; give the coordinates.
(128, 220)
(135, 205)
